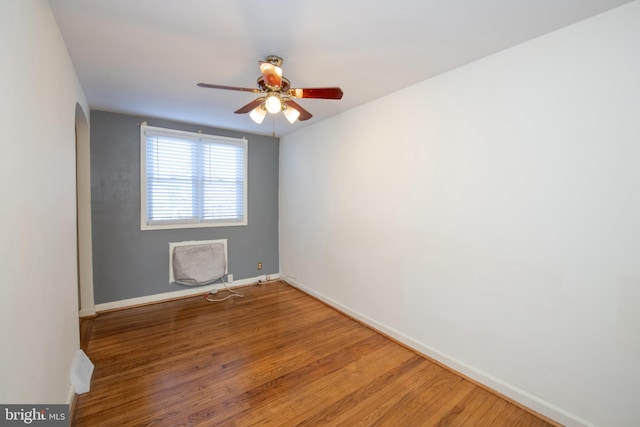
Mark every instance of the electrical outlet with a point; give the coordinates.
(259, 266)
(229, 278)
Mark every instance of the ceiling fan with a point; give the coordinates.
(277, 95)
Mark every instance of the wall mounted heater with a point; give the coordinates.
(197, 262)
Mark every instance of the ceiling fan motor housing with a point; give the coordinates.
(285, 85)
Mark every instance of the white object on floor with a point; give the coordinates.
(81, 371)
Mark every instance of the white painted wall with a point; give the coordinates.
(490, 217)
(38, 296)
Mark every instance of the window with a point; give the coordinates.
(191, 179)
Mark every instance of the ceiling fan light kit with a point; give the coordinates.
(258, 114)
(276, 94)
(273, 104)
(291, 114)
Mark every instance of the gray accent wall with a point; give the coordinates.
(130, 263)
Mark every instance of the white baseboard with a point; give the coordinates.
(518, 395)
(197, 290)
(71, 395)
(87, 312)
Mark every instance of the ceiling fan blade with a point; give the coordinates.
(272, 74)
(250, 106)
(304, 114)
(243, 89)
(317, 92)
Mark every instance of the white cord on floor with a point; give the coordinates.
(231, 295)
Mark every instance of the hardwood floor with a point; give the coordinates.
(278, 357)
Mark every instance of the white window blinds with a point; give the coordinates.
(192, 180)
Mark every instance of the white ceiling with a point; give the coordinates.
(145, 57)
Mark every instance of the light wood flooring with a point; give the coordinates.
(277, 357)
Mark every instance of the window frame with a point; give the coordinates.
(191, 136)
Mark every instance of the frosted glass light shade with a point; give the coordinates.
(291, 114)
(258, 114)
(273, 104)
